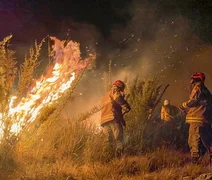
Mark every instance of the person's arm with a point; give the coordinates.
(162, 115)
(123, 103)
(194, 98)
(126, 107)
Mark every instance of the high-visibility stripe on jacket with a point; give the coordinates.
(199, 104)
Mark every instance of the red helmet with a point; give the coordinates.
(120, 84)
(199, 75)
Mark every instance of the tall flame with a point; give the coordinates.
(49, 88)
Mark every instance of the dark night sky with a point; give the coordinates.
(172, 36)
(35, 18)
(23, 16)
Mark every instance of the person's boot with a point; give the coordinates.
(194, 160)
(195, 157)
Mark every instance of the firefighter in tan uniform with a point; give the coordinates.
(198, 116)
(170, 122)
(168, 111)
(114, 106)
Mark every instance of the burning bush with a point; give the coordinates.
(44, 145)
(36, 100)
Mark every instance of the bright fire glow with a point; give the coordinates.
(49, 88)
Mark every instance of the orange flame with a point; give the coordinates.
(47, 89)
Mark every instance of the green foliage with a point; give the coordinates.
(143, 96)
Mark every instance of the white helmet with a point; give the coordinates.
(166, 102)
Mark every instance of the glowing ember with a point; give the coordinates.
(49, 88)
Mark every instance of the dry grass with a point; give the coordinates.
(31, 137)
(53, 148)
(130, 167)
(27, 69)
(81, 146)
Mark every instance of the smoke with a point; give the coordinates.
(162, 46)
(151, 44)
(154, 41)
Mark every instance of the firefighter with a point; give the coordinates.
(168, 111)
(198, 116)
(169, 117)
(114, 106)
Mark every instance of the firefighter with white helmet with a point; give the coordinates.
(166, 102)
(198, 116)
(114, 106)
(169, 117)
(168, 111)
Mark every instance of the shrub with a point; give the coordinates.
(53, 148)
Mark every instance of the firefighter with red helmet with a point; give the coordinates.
(114, 106)
(198, 116)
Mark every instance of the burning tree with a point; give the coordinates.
(23, 104)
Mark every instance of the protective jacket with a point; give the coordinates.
(198, 107)
(113, 107)
(168, 112)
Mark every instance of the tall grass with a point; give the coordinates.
(54, 148)
(9, 141)
(143, 96)
(83, 143)
(8, 72)
(76, 141)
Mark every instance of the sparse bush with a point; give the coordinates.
(143, 96)
(30, 146)
(54, 148)
(80, 143)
